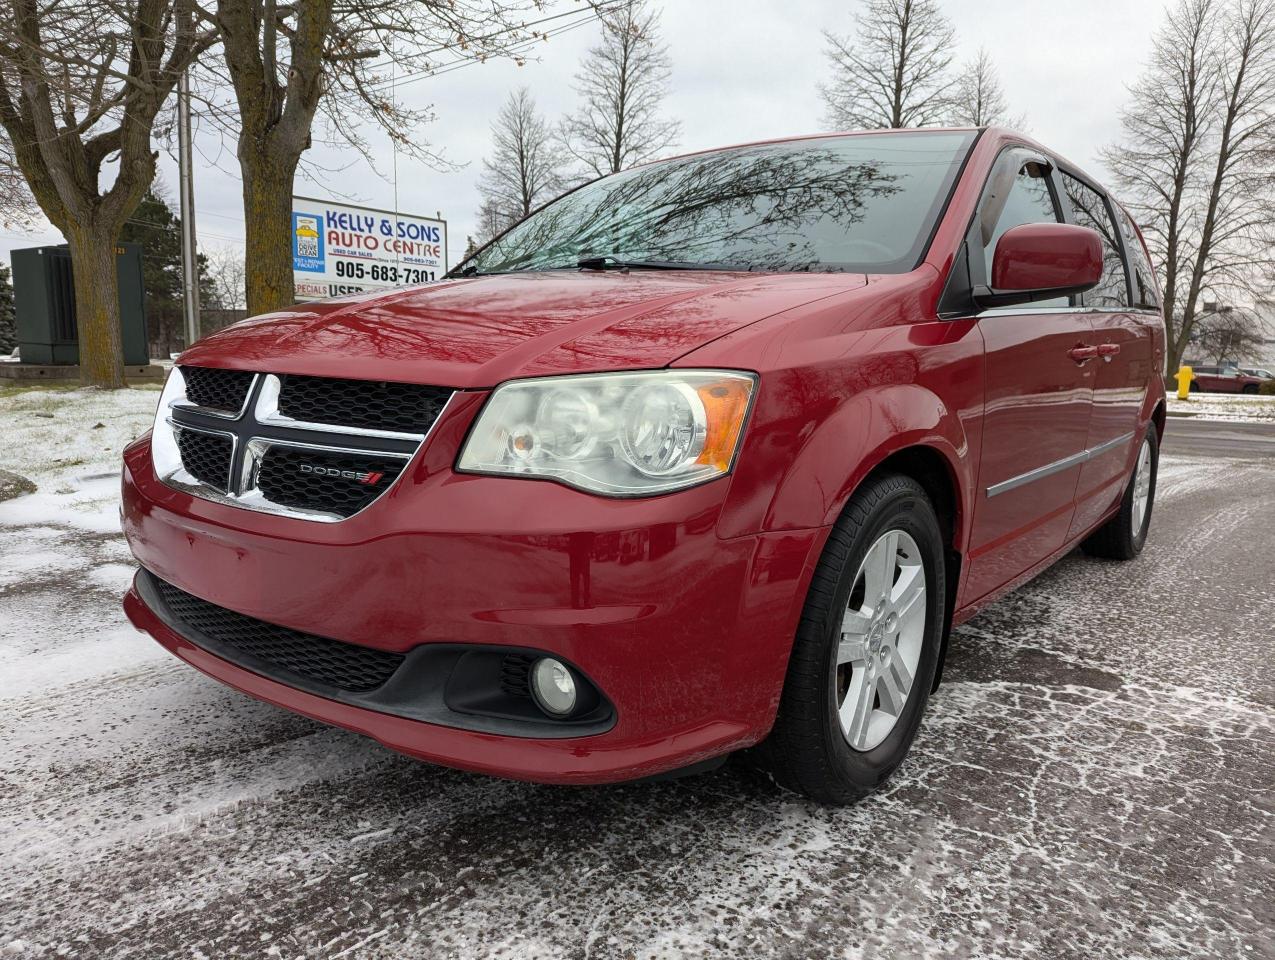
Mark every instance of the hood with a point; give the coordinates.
(480, 331)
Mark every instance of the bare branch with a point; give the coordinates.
(524, 168)
(895, 71)
(622, 85)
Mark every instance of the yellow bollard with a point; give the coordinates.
(1184, 377)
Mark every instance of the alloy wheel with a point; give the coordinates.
(882, 634)
(1141, 487)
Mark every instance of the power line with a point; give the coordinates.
(522, 45)
(471, 61)
(172, 229)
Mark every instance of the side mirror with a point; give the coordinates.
(1041, 261)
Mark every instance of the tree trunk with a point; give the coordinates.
(1173, 354)
(267, 201)
(97, 304)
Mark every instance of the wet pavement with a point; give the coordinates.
(1095, 779)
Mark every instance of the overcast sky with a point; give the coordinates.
(742, 70)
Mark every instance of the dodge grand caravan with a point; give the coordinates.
(707, 455)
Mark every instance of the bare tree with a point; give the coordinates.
(895, 71)
(492, 221)
(977, 99)
(17, 206)
(1196, 162)
(1225, 334)
(622, 83)
(81, 82)
(227, 279)
(338, 61)
(525, 166)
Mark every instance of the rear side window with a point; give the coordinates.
(1088, 209)
(1145, 293)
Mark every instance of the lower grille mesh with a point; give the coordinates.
(515, 675)
(344, 666)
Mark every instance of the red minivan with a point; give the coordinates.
(707, 455)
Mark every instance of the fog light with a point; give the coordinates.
(553, 687)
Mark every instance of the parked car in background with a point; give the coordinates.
(1226, 378)
(706, 455)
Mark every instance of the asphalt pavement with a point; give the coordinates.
(1093, 780)
(1194, 436)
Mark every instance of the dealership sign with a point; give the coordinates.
(339, 249)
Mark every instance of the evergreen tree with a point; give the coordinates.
(8, 326)
(158, 230)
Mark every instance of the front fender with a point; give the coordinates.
(864, 431)
(818, 430)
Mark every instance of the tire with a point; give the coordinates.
(807, 750)
(1194, 387)
(1249, 388)
(1124, 535)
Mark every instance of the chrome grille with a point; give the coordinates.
(310, 447)
(341, 483)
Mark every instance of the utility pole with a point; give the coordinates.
(186, 175)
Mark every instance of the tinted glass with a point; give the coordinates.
(1145, 293)
(1088, 209)
(859, 203)
(1012, 202)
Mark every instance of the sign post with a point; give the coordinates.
(340, 249)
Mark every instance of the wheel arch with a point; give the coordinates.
(937, 477)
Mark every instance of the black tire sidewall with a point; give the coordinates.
(905, 508)
(1138, 538)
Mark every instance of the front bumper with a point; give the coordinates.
(687, 635)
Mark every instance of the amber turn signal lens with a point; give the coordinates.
(725, 405)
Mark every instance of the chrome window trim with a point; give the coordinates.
(1049, 469)
(267, 411)
(1013, 311)
(241, 490)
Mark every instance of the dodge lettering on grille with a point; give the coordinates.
(365, 477)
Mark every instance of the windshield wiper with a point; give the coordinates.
(611, 262)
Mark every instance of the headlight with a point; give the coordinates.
(619, 434)
(164, 453)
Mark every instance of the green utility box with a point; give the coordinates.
(44, 305)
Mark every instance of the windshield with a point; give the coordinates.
(864, 203)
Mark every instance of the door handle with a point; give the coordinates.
(1108, 350)
(1083, 353)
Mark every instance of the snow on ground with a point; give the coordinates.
(1092, 780)
(71, 432)
(1224, 406)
